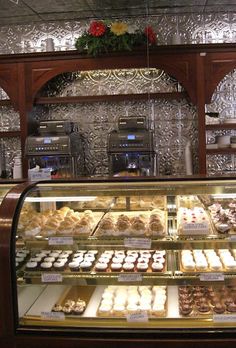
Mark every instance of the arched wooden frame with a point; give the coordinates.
(217, 66)
(10, 83)
(182, 68)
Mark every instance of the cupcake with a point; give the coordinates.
(59, 265)
(31, 266)
(128, 267)
(74, 266)
(116, 267)
(101, 267)
(142, 267)
(157, 267)
(86, 265)
(46, 266)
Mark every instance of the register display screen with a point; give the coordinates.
(47, 141)
(131, 137)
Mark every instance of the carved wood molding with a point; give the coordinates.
(9, 82)
(217, 66)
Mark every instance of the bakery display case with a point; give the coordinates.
(142, 256)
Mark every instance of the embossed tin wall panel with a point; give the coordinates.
(192, 28)
(173, 122)
(224, 102)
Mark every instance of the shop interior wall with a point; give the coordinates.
(174, 122)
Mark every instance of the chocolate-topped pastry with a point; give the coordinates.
(199, 288)
(203, 308)
(231, 307)
(185, 309)
(219, 308)
(214, 300)
(197, 295)
(186, 301)
(184, 290)
(57, 308)
(201, 300)
(228, 300)
(211, 294)
(184, 296)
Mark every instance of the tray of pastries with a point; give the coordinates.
(147, 261)
(60, 222)
(68, 261)
(198, 301)
(99, 202)
(209, 260)
(62, 261)
(223, 216)
(133, 224)
(74, 300)
(141, 202)
(119, 301)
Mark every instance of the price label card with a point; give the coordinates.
(130, 277)
(139, 316)
(196, 228)
(138, 243)
(60, 241)
(233, 238)
(52, 316)
(212, 277)
(51, 278)
(224, 318)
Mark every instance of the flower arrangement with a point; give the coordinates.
(102, 37)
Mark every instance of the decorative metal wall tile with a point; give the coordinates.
(170, 120)
(9, 147)
(224, 102)
(220, 164)
(192, 28)
(3, 94)
(173, 122)
(9, 119)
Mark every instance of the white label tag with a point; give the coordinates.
(60, 241)
(196, 228)
(52, 316)
(224, 318)
(233, 237)
(211, 277)
(51, 278)
(136, 277)
(139, 316)
(138, 243)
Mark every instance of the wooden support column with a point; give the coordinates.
(23, 113)
(201, 111)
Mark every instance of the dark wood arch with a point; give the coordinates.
(218, 65)
(9, 82)
(182, 68)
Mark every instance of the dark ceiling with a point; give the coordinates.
(29, 11)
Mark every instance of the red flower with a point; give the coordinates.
(97, 28)
(151, 36)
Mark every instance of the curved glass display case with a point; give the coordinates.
(141, 255)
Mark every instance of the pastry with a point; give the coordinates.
(74, 266)
(157, 267)
(31, 265)
(116, 267)
(142, 267)
(46, 266)
(59, 265)
(86, 265)
(101, 267)
(128, 266)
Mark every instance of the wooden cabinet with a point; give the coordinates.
(198, 68)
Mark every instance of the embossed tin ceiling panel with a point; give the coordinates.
(29, 11)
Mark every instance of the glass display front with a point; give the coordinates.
(151, 254)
